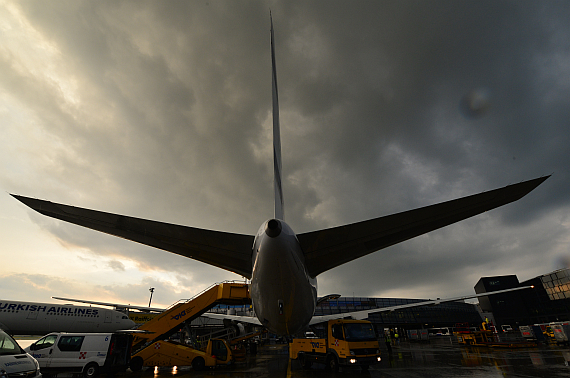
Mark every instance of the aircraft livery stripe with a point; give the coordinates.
(5, 306)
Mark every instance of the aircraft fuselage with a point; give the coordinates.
(284, 295)
(33, 318)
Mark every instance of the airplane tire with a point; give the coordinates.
(91, 370)
(198, 363)
(136, 364)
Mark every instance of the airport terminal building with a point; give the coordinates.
(441, 315)
(548, 301)
(432, 316)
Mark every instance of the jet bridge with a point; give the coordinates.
(169, 321)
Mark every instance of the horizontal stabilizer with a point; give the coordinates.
(224, 250)
(329, 248)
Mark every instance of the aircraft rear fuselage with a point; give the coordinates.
(284, 295)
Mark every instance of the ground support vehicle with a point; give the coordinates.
(171, 353)
(532, 333)
(546, 329)
(348, 343)
(418, 335)
(85, 353)
(14, 361)
(528, 332)
(151, 347)
(441, 331)
(241, 344)
(561, 333)
(487, 338)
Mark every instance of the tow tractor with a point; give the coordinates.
(150, 347)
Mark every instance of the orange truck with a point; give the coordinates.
(348, 343)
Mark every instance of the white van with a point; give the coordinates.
(86, 353)
(14, 361)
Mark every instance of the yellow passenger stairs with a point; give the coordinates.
(169, 321)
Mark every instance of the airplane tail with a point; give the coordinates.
(278, 188)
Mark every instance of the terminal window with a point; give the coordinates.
(557, 284)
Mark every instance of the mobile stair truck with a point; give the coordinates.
(151, 347)
(348, 343)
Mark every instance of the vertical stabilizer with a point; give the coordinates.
(279, 210)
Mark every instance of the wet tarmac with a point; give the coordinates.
(441, 357)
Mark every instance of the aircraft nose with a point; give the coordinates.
(273, 228)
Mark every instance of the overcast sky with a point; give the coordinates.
(162, 110)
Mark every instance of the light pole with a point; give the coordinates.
(151, 291)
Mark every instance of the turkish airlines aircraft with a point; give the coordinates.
(32, 318)
(282, 265)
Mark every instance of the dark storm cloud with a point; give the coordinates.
(175, 115)
(429, 56)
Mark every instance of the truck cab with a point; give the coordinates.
(348, 343)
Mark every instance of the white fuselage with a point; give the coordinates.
(284, 296)
(32, 318)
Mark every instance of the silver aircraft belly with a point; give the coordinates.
(284, 296)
